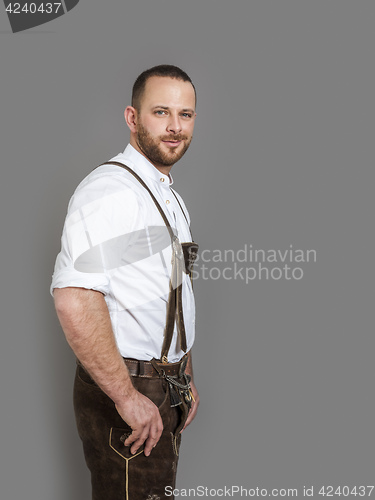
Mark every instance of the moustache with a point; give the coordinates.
(178, 137)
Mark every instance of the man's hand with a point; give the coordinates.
(194, 407)
(143, 416)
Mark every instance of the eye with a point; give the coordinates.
(160, 112)
(187, 115)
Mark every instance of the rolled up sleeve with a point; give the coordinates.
(102, 209)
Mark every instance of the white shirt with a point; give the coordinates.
(115, 241)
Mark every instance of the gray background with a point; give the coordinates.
(283, 155)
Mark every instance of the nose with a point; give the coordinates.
(174, 124)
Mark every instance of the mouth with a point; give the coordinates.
(172, 144)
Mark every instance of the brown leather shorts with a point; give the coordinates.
(115, 473)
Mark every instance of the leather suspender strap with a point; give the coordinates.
(174, 305)
(182, 210)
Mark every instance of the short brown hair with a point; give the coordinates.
(166, 70)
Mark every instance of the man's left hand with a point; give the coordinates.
(194, 406)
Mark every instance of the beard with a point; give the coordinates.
(150, 147)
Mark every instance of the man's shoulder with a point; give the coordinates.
(108, 185)
(107, 179)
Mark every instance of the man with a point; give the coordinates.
(124, 298)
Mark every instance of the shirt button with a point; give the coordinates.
(167, 202)
(162, 179)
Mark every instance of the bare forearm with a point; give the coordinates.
(85, 320)
(196, 399)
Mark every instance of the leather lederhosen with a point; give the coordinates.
(115, 473)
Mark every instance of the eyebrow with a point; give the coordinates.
(166, 108)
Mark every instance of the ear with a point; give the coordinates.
(131, 117)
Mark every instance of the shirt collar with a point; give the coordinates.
(143, 166)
